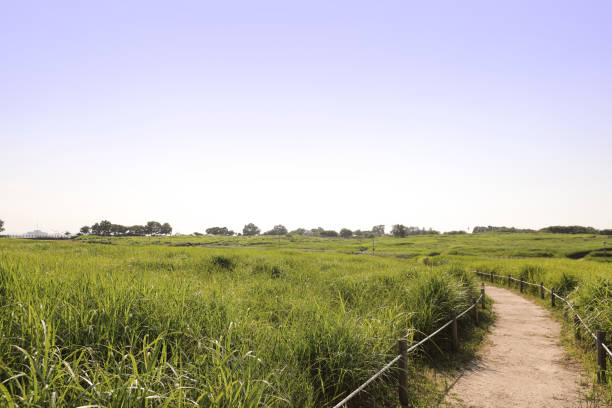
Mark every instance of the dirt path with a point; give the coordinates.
(522, 363)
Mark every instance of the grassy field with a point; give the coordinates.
(244, 322)
(496, 245)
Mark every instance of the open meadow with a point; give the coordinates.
(257, 321)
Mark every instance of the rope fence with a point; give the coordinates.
(404, 351)
(599, 336)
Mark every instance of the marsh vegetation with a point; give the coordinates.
(283, 321)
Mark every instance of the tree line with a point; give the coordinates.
(554, 229)
(397, 230)
(575, 229)
(107, 228)
(490, 228)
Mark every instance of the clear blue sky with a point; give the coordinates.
(333, 113)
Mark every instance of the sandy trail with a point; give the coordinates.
(522, 363)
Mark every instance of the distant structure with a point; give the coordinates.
(36, 234)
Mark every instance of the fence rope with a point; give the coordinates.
(396, 359)
(607, 349)
(580, 318)
(365, 384)
(468, 309)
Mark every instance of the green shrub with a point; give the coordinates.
(435, 260)
(531, 273)
(564, 283)
(577, 254)
(222, 262)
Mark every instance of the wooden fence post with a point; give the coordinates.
(542, 290)
(454, 335)
(552, 297)
(491, 277)
(482, 293)
(402, 373)
(476, 321)
(521, 285)
(601, 357)
(509, 281)
(576, 327)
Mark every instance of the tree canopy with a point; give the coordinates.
(400, 231)
(219, 231)
(251, 229)
(277, 230)
(378, 230)
(569, 229)
(329, 233)
(490, 228)
(553, 229)
(346, 233)
(107, 228)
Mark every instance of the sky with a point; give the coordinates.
(337, 114)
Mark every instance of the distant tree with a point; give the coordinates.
(455, 232)
(105, 227)
(606, 232)
(277, 230)
(328, 233)
(67, 233)
(219, 231)
(1, 225)
(316, 232)
(399, 231)
(251, 229)
(166, 229)
(299, 231)
(378, 230)
(415, 231)
(490, 228)
(216, 230)
(570, 229)
(153, 228)
(197, 234)
(136, 230)
(346, 233)
(118, 229)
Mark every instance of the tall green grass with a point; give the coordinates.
(126, 325)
